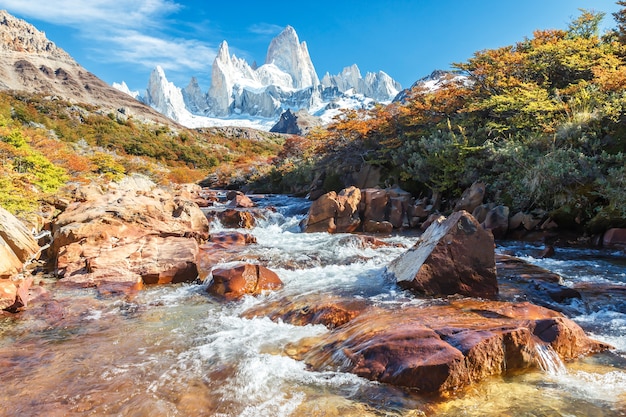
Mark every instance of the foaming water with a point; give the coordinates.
(176, 351)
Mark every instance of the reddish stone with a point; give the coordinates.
(23, 291)
(371, 226)
(124, 238)
(497, 221)
(233, 238)
(454, 256)
(17, 236)
(223, 247)
(430, 220)
(238, 199)
(399, 202)
(614, 238)
(8, 293)
(233, 218)
(233, 282)
(374, 205)
(335, 213)
(471, 198)
(444, 347)
(397, 212)
(10, 265)
(348, 219)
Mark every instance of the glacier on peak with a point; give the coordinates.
(240, 93)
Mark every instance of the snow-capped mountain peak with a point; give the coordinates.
(287, 80)
(288, 54)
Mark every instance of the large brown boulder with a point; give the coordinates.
(335, 213)
(239, 199)
(10, 264)
(497, 221)
(454, 256)
(615, 237)
(236, 218)
(399, 203)
(233, 282)
(374, 205)
(126, 238)
(444, 347)
(17, 237)
(222, 247)
(8, 293)
(471, 197)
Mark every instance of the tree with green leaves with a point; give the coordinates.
(586, 25)
(620, 18)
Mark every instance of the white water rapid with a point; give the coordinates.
(176, 351)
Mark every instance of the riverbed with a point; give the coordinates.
(177, 351)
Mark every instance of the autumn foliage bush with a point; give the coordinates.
(541, 121)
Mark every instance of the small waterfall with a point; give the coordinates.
(550, 361)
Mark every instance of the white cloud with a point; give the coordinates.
(150, 51)
(131, 31)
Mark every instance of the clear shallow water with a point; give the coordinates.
(175, 351)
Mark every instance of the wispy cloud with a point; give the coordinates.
(134, 31)
(265, 29)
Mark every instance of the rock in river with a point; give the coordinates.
(454, 256)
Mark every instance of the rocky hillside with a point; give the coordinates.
(30, 62)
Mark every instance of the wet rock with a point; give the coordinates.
(521, 280)
(454, 256)
(497, 221)
(597, 296)
(222, 247)
(547, 252)
(236, 219)
(239, 199)
(17, 237)
(233, 282)
(8, 293)
(372, 226)
(374, 206)
(10, 264)
(232, 238)
(441, 348)
(614, 238)
(335, 213)
(128, 238)
(471, 197)
(331, 312)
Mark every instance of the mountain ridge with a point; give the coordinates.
(242, 93)
(32, 63)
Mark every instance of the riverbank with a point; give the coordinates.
(174, 349)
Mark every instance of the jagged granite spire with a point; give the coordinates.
(289, 55)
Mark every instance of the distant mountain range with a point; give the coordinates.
(246, 95)
(240, 94)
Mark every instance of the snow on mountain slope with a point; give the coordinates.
(433, 81)
(241, 94)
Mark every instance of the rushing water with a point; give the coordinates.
(176, 351)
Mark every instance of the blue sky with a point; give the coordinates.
(408, 39)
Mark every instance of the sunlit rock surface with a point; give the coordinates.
(439, 348)
(454, 256)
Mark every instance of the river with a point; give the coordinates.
(176, 351)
